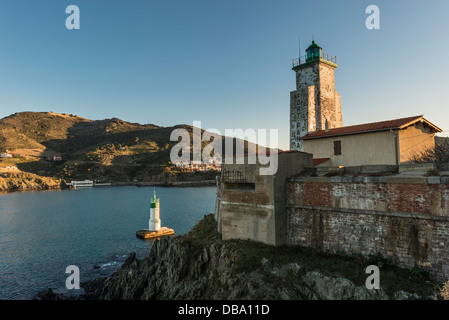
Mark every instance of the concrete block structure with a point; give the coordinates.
(252, 206)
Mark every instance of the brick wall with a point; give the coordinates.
(406, 219)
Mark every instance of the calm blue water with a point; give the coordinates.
(43, 232)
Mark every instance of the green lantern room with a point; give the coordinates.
(313, 52)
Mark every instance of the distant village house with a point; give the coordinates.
(199, 165)
(6, 155)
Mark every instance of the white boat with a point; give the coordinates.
(81, 184)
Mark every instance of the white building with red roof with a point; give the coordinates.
(316, 122)
(387, 142)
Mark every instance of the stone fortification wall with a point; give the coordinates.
(403, 217)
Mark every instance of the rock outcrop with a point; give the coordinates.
(175, 271)
(23, 181)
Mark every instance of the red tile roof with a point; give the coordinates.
(319, 161)
(369, 127)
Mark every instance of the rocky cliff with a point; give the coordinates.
(202, 266)
(23, 181)
(172, 272)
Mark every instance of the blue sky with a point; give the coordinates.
(225, 63)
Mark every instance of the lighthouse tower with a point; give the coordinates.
(155, 221)
(315, 104)
(154, 230)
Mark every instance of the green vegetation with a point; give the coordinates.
(202, 234)
(437, 154)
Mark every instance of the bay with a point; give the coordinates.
(43, 232)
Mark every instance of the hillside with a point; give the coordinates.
(105, 150)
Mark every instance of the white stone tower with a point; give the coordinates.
(315, 104)
(155, 221)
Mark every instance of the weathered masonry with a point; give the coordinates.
(406, 219)
(315, 104)
(397, 211)
(252, 206)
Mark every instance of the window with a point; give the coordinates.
(240, 186)
(337, 148)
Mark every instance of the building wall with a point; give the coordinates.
(252, 206)
(247, 214)
(314, 100)
(290, 163)
(404, 219)
(330, 101)
(303, 104)
(414, 140)
(356, 149)
(338, 111)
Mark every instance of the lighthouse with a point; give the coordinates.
(315, 104)
(155, 220)
(154, 230)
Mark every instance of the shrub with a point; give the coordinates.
(445, 291)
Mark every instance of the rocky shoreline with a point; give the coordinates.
(199, 183)
(24, 181)
(31, 182)
(187, 267)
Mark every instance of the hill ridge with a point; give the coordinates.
(108, 150)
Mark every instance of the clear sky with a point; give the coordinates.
(224, 63)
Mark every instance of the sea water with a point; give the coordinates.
(43, 232)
